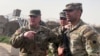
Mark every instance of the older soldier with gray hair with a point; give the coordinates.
(33, 40)
(83, 38)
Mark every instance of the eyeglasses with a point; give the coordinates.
(70, 10)
(32, 16)
(62, 18)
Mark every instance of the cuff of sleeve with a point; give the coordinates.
(21, 35)
(94, 54)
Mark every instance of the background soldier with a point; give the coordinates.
(83, 38)
(33, 40)
(63, 49)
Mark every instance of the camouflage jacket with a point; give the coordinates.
(58, 32)
(84, 40)
(64, 39)
(39, 45)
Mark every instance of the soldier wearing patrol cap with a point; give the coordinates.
(63, 49)
(83, 38)
(33, 40)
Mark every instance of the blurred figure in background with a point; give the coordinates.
(62, 31)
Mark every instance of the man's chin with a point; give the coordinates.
(32, 24)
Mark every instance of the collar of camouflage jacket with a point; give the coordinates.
(35, 29)
(76, 26)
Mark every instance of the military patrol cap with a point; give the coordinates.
(35, 13)
(73, 6)
(62, 15)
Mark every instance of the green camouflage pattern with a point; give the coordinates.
(84, 40)
(39, 46)
(58, 32)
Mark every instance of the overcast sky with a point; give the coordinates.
(51, 8)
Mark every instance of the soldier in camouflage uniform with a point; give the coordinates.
(83, 38)
(64, 48)
(33, 40)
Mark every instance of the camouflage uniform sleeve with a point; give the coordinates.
(55, 40)
(17, 39)
(91, 42)
(57, 32)
(54, 37)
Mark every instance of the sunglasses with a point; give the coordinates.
(70, 10)
(62, 18)
(32, 16)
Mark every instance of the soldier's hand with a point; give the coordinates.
(29, 34)
(60, 51)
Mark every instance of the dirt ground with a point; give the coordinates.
(8, 50)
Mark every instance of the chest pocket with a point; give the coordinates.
(39, 41)
(74, 35)
(75, 39)
(41, 35)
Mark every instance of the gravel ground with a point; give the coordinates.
(7, 50)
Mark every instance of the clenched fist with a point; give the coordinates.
(29, 34)
(60, 51)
